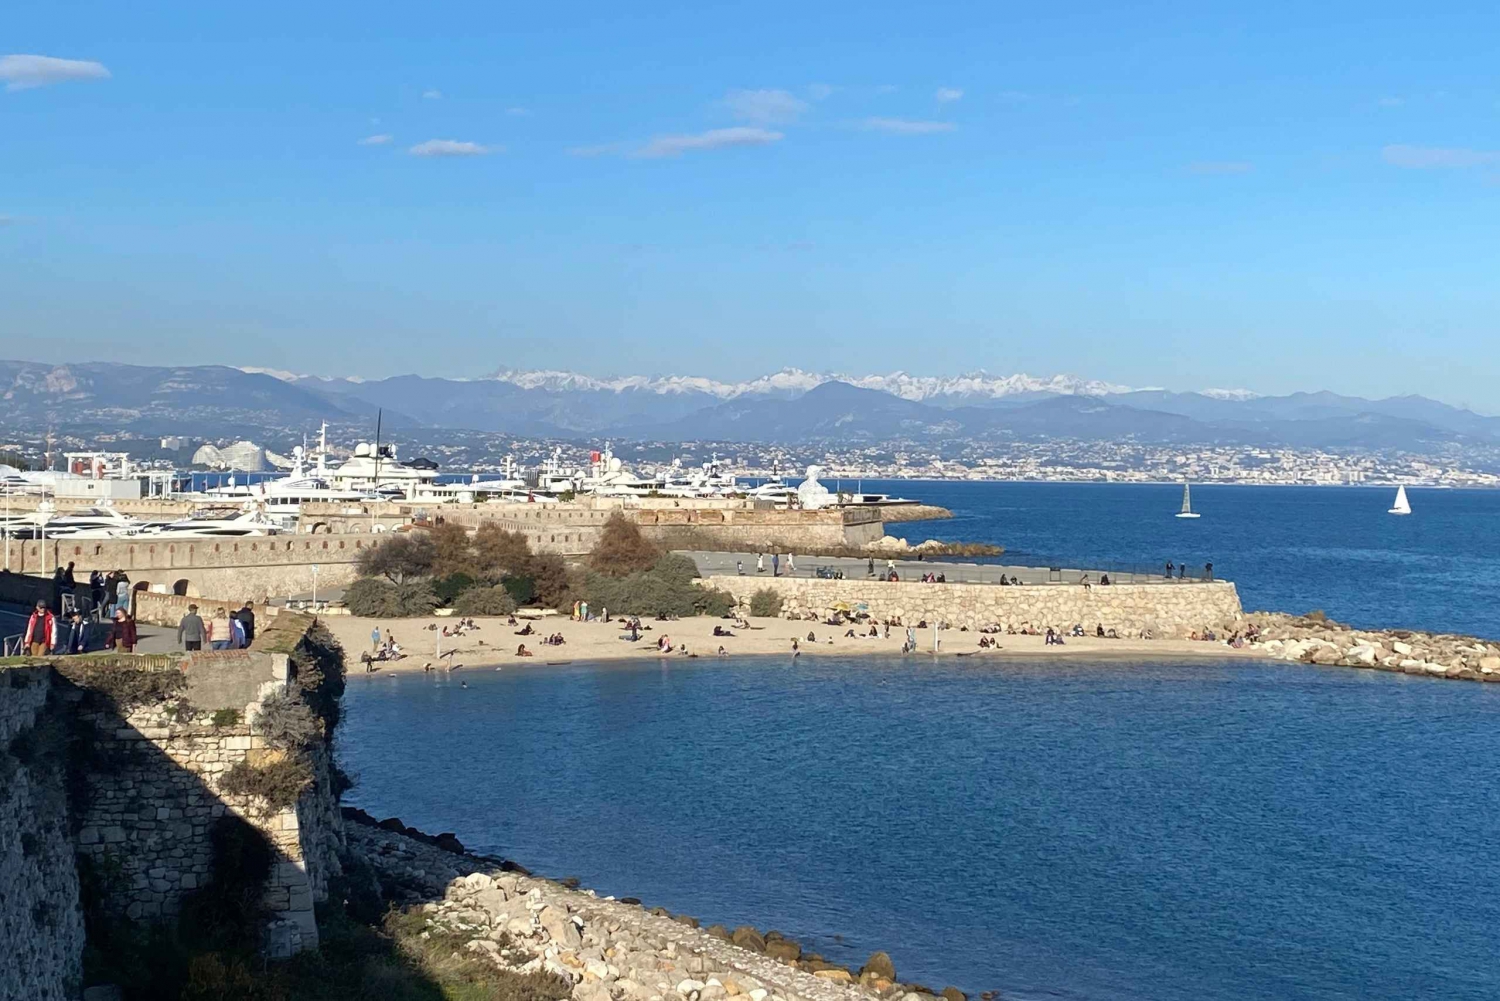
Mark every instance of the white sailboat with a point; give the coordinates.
(1187, 503)
(1402, 505)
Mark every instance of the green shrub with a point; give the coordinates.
(287, 723)
(667, 588)
(415, 597)
(279, 783)
(483, 600)
(228, 717)
(372, 597)
(450, 587)
(522, 590)
(765, 603)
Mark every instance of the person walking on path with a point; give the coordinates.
(122, 592)
(760, 562)
(1208, 570)
(41, 631)
(246, 616)
(775, 564)
(191, 632)
(123, 635)
(375, 640)
(791, 563)
(96, 588)
(1169, 569)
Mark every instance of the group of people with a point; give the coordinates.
(760, 564)
(383, 647)
(224, 630)
(1181, 568)
(49, 633)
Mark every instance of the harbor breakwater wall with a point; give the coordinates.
(113, 801)
(1163, 610)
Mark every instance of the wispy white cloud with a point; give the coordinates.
(663, 146)
(450, 147)
(1438, 157)
(905, 126)
(764, 107)
(23, 72)
(819, 91)
(432, 94)
(379, 140)
(1213, 167)
(599, 149)
(946, 94)
(517, 111)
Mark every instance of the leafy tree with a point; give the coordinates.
(416, 597)
(521, 589)
(499, 554)
(550, 580)
(622, 549)
(450, 587)
(372, 597)
(483, 600)
(399, 556)
(452, 551)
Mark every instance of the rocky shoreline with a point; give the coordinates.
(1316, 639)
(609, 949)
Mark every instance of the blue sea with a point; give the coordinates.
(1065, 830)
(1288, 549)
(1142, 832)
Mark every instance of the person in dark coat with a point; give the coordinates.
(246, 617)
(122, 635)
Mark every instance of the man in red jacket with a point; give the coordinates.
(41, 631)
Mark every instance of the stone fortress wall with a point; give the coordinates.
(251, 568)
(1165, 610)
(127, 792)
(41, 922)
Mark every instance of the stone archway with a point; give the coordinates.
(184, 588)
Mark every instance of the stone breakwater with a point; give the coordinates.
(1134, 610)
(1317, 640)
(611, 950)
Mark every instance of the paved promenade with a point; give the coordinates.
(913, 569)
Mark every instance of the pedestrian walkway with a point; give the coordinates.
(912, 569)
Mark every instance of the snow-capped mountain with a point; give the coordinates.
(970, 386)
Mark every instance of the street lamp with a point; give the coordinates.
(44, 512)
(315, 589)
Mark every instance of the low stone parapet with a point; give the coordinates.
(1159, 609)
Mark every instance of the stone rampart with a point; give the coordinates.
(1164, 610)
(168, 609)
(250, 568)
(41, 920)
(116, 767)
(572, 529)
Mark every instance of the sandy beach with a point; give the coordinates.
(495, 642)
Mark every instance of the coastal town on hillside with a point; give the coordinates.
(1053, 460)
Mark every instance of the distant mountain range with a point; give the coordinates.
(790, 406)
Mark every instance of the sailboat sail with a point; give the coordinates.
(1187, 503)
(1402, 505)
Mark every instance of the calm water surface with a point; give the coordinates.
(1288, 549)
(1092, 831)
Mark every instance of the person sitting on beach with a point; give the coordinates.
(521, 651)
(511, 621)
(525, 630)
(1104, 580)
(1099, 630)
(1003, 581)
(1112, 635)
(723, 652)
(396, 652)
(874, 633)
(810, 637)
(849, 635)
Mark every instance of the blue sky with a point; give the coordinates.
(1287, 196)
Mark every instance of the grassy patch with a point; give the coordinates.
(279, 783)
